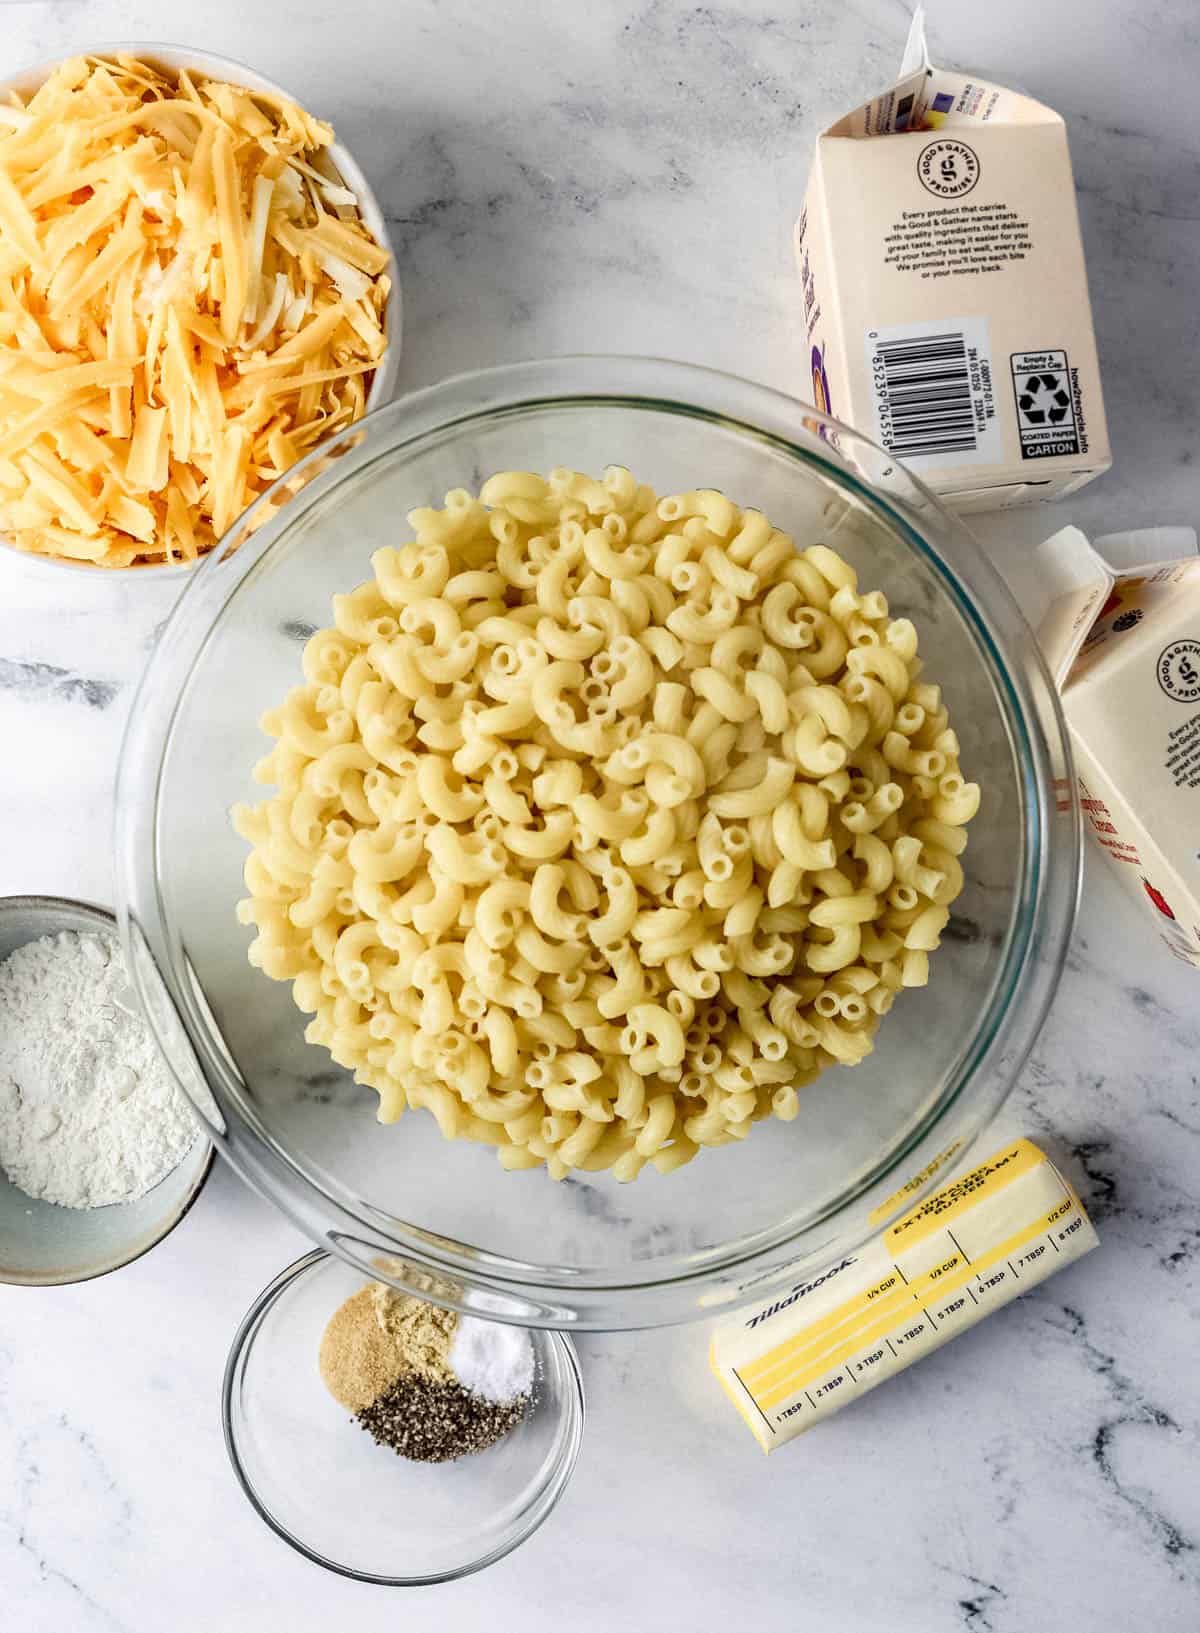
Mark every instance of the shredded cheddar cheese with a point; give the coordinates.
(189, 302)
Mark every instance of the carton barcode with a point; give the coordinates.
(924, 387)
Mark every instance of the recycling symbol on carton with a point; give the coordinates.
(1043, 399)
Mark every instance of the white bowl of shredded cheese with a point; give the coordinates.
(139, 428)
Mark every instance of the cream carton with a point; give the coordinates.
(944, 291)
(1119, 627)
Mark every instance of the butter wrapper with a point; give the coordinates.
(981, 1241)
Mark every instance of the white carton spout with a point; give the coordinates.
(916, 52)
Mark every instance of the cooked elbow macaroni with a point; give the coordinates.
(603, 823)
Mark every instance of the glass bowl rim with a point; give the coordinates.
(568, 1441)
(1045, 909)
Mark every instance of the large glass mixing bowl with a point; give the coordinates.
(588, 1252)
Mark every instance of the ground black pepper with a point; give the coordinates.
(432, 1420)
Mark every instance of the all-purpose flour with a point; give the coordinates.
(89, 1113)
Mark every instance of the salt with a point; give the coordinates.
(492, 1360)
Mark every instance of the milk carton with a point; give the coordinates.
(1119, 627)
(945, 296)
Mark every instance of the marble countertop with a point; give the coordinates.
(622, 176)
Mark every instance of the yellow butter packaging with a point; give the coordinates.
(980, 1241)
(944, 290)
(1120, 631)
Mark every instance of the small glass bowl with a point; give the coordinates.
(324, 1485)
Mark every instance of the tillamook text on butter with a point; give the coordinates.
(972, 1246)
(945, 296)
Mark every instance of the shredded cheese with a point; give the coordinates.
(189, 302)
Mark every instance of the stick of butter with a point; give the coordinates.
(962, 1253)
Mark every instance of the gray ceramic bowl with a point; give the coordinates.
(42, 1245)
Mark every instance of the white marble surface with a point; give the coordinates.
(622, 175)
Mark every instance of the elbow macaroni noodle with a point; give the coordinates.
(603, 823)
